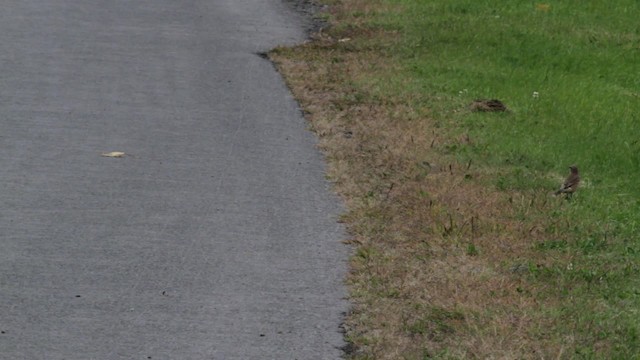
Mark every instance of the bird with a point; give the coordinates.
(570, 185)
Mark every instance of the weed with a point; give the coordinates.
(472, 250)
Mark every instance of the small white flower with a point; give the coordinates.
(535, 95)
(570, 266)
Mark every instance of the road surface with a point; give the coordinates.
(213, 237)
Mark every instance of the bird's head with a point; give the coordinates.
(574, 169)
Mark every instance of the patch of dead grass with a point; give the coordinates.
(441, 260)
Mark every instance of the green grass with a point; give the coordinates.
(582, 61)
(460, 249)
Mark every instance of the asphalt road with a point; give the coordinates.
(215, 237)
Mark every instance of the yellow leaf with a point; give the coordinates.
(543, 7)
(114, 154)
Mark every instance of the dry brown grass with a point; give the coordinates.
(438, 254)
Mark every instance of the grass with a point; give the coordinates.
(460, 251)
